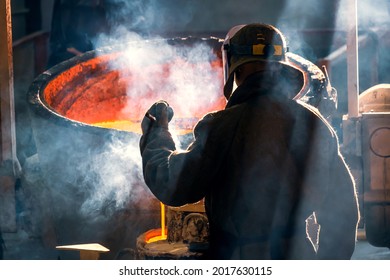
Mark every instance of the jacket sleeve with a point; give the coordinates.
(177, 177)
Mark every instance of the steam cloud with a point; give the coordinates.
(149, 16)
(116, 177)
(187, 76)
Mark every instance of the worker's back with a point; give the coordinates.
(276, 156)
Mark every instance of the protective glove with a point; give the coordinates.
(160, 114)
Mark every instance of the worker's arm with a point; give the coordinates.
(175, 177)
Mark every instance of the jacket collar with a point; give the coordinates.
(255, 85)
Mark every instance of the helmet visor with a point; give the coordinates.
(225, 51)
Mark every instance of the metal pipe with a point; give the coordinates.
(7, 108)
(352, 60)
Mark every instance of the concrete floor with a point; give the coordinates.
(365, 251)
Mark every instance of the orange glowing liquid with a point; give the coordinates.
(121, 125)
(162, 233)
(107, 97)
(135, 126)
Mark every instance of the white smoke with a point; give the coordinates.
(370, 13)
(186, 75)
(114, 177)
(150, 16)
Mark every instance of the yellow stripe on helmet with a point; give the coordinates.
(259, 49)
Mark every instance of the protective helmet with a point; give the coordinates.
(252, 42)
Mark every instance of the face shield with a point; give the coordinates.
(226, 51)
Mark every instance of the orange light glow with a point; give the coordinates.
(93, 93)
(182, 128)
(155, 235)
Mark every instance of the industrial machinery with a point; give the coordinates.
(367, 150)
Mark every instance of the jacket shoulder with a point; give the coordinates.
(314, 111)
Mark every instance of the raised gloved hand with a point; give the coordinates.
(160, 114)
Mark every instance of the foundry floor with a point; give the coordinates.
(22, 247)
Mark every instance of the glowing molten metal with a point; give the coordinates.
(93, 93)
(154, 235)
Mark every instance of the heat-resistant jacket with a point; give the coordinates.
(264, 164)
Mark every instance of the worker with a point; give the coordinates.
(265, 165)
